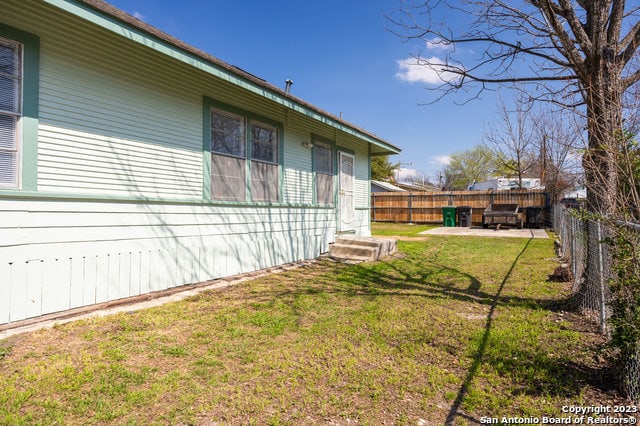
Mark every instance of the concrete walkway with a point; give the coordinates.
(478, 231)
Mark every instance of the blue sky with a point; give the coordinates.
(341, 58)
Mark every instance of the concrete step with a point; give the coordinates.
(353, 252)
(361, 249)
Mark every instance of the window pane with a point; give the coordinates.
(264, 143)
(9, 58)
(227, 134)
(323, 158)
(264, 182)
(324, 188)
(9, 94)
(228, 180)
(7, 168)
(7, 131)
(10, 75)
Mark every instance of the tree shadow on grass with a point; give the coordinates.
(478, 356)
(545, 375)
(554, 376)
(391, 278)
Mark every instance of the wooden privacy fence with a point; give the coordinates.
(426, 207)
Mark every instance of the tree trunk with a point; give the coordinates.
(604, 125)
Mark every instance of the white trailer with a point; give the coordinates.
(506, 184)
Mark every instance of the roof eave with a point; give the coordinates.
(240, 77)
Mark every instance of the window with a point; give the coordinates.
(228, 164)
(264, 163)
(19, 94)
(323, 165)
(10, 111)
(237, 165)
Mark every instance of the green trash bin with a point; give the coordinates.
(449, 216)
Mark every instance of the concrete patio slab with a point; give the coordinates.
(490, 232)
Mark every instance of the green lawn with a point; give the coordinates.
(389, 229)
(455, 328)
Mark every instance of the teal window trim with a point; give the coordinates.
(28, 145)
(319, 139)
(208, 105)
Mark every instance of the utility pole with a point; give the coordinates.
(543, 154)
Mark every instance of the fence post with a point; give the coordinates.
(603, 315)
(410, 207)
(373, 206)
(572, 248)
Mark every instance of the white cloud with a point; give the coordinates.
(441, 160)
(138, 15)
(405, 175)
(424, 70)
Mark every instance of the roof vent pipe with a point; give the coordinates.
(287, 88)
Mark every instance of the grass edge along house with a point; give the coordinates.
(131, 162)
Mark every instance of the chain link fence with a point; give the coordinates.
(583, 246)
(586, 248)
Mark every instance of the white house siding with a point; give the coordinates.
(120, 124)
(298, 181)
(60, 254)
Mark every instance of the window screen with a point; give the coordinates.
(10, 110)
(227, 133)
(264, 143)
(228, 164)
(324, 188)
(264, 182)
(264, 163)
(228, 178)
(323, 158)
(323, 163)
(230, 175)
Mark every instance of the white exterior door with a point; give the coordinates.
(346, 209)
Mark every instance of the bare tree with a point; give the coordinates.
(629, 175)
(559, 141)
(512, 140)
(575, 53)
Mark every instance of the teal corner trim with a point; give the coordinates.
(30, 102)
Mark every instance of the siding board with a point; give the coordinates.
(5, 292)
(76, 285)
(35, 290)
(18, 290)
